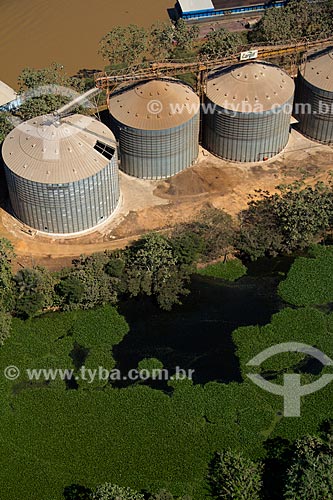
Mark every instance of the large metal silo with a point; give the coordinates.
(246, 117)
(157, 126)
(62, 176)
(313, 106)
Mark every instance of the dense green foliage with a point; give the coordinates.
(234, 477)
(212, 234)
(310, 280)
(31, 78)
(47, 89)
(309, 326)
(310, 473)
(132, 437)
(127, 45)
(299, 19)
(286, 221)
(139, 437)
(221, 43)
(153, 268)
(230, 270)
(124, 44)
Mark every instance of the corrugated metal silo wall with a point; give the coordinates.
(313, 108)
(246, 137)
(65, 208)
(157, 154)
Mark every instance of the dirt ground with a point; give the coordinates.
(156, 205)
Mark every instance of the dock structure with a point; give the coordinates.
(206, 9)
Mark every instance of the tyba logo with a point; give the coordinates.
(291, 390)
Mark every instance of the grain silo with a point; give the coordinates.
(247, 112)
(157, 126)
(313, 106)
(62, 175)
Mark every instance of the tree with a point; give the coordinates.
(71, 289)
(34, 291)
(185, 35)
(310, 475)
(162, 495)
(31, 78)
(161, 40)
(213, 233)
(292, 219)
(299, 19)
(234, 477)
(187, 246)
(87, 284)
(110, 491)
(220, 43)
(152, 268)
(5, 125)
(54, 86)
(124, 44)
(259, 233)
(6, 276)
(274, 27)
(42, 105)
(304, 212)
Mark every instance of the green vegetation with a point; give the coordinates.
(310, 474)
(221, 43)
(46, 90)
(298, 19)
(234, 477)
(141, 438)
(310, 280)
(109, 491)
(285, 222)
(5, 125)
(127, 45)
(306, 325)
(212, 234)
(124, 44)
(230, 270)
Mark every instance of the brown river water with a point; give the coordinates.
(36, 33)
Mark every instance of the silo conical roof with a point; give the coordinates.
(46, 151)
(155, 105)
(256, 85)
(319, 71)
